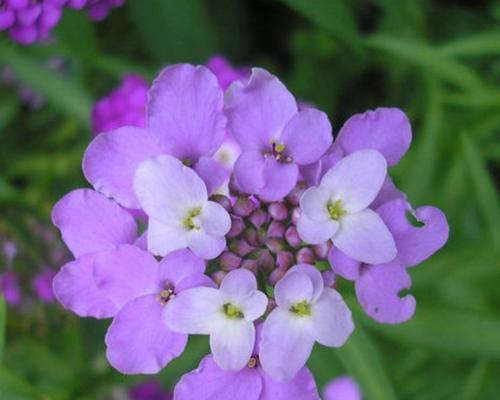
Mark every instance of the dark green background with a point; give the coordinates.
(437, 60)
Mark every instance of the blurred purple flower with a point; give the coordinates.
(151, 390)
(42, 285)
(342, 388)
(96, 9)
(9, 287)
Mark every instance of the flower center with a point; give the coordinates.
(232, 312)
(302, 308)
(253, 362)
(335, 209)
(190, 222)
(278, 152)
(166, 294)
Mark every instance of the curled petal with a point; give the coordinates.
(249, 171)
(378, 292)
(180, 265)
(279, 179)
(294, 287)
(314, 202)
(237, 285)
(314, 232)
(206, 246)
(315, 277)
(213, 173)
(214, 219)
(343, 265)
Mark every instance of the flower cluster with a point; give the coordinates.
(233, 251)
(31, 21)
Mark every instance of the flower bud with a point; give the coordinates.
(243, 206)
(251, 265)
(229, 261)
(265, 260)
(276, 230)
(250, 235)
(296, 193)
(237, 226)
(241, 247)
(276, 275)
(258, 218)
(295, 216)
(284, 259)
(306, 256)
(292, 237)
(275, 244)
(278, 211)
(329, 278)
(224, 201)
(321, 250)
(218, 276)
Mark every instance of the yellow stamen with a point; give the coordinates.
(335, 209)
(301, 308)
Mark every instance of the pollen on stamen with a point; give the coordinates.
(252, 363)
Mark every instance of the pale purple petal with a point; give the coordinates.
(342, 388)
(126, 273)
(307, 136)
(214, 219)
(206, 246)
(378, 292)
(314, 275)
(343, 265)
(385, 129)
(138, 342)
(331, 319)
(302, 387)
(415, 244)
(194, 311)
(364, 237)
(185, 112)
(167, 189)
(238, 284)
(212, 172)
(75, 289)
(356, 179)
(279, 179)
(178, 266)
(285, 346)
(314, 232)
(258, 111)
(387, 193)
(314, 202)
(294, 287)
(111, 159)
(249, 171)
(254, 306)
(210, 382)
(232, 343)
(90, 222)
(162, 238)
(312, 173)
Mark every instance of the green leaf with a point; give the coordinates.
(13, 387)
(485, 190)
(59, 90)
(423, 56)
(481, 44)
(175, 31)
(3, 321)
(334, 17)
(459, 332)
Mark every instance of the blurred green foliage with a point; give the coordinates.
(437, 60)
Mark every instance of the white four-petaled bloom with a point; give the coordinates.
(226, 314)
(175, 199)
(337, 209)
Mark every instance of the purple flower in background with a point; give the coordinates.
(151, 390)
(210, 382)
(141, 289)
(225, 72)
(227, 315)
(342, 388)
(307, 312)
(274, 135)
(42, 285)
(96, 9)
(176, 201)
(125, 105)
(9, 288)
(337, 209)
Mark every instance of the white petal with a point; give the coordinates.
(315, 232)
(315, 277)
(162, 238)
(205, 246)
(294, 287)
(232, 344)
(364, 237)
(356, 179)
(194, 311)
(237, 285)
(314, 202)
(331, 319)
(214, 219)
(254, 306)
(286, 344)
(167, 190)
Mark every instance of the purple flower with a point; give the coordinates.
(96, 9)
(42, 285)
(337, 209)
(180, 216)
(151, 390)
(125, 105)
(90, 224)
(274, 135)
(210, 382)
(306, 312)
(9, 288)
(342, 388)
(378, 286)
(226, 315)
(141, 289)
(225, 72)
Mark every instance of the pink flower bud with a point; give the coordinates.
(218, 276)
(321, 250)
(250, 235)
(242, 248)
(243, 206)
(229, 261)
(251, 265)
(306, 256)
(237, 226)
(278, 211)
(276, 230)
(292, 237)
(265, 260)
(275, 244)
(223, 201)
(276, 275)
(284, 259)
(258, 218)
